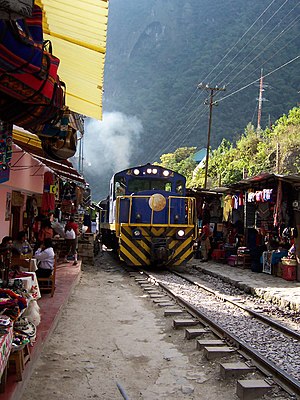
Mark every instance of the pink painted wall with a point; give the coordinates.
(4, 225)
(26, 176)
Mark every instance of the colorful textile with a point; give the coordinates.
(48, 198)
(5, 347)
(227, 208)
(28, 88)
(277, 208)
(5, 150)
(21, 44)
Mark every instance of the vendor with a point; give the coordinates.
(7, 245)
(45, 255)
(205, 242)
(46, 231)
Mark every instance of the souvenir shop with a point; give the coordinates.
(34, 188)
(259, 225)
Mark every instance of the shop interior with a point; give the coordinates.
(252, 224)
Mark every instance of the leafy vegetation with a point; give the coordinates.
(271, 150)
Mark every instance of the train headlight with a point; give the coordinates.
(136, 171)
(149, 170)
(136, 233)
(180, 234)
(154, 171)
(166, 173)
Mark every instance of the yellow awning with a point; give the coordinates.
(77, 30)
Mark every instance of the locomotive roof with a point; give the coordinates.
(145, 166)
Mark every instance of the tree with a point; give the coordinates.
(270, 150)
(180, 161)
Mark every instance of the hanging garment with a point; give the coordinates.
(277, 208)
(227, 208)
(264, 211)
(48, 198)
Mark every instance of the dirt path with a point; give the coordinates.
(111, 335)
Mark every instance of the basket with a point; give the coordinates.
(289, 261)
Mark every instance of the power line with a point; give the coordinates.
(291, 25)
(256, 80)
(227, 53)
(237, 42)
(182, 132)
(252, 38)
(178, 132)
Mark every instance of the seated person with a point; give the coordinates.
(7, 244)
(45, 255)
(22, 244)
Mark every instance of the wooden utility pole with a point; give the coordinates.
(211, 103)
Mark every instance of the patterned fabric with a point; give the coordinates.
(58, 129)
(30, 89)
(48, 198)
(21, 44)
(5, 347)
(31, 116)
(5, 150)
(15, 9)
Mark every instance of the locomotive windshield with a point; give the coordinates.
(138, 185)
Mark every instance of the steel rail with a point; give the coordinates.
(267, 367)
(269, 321)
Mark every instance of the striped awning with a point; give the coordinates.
(77, 30)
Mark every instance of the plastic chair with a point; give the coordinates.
(49, 282)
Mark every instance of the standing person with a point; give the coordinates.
(205, 242)
(70, 238)
(71, 224)
(46, 231)
(45, 255)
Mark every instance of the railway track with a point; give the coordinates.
(266, 345)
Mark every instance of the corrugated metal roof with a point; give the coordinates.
(77, 30)
(293, 179)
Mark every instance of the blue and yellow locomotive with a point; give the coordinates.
(147, 217)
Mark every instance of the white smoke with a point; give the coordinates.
(109, 144)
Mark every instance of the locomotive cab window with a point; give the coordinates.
(120, 187)
(168, 187)
(139, 185)
(179, 187)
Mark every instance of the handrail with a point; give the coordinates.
(191, 214)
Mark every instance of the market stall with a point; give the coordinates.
(268, 207)
(19, 292)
